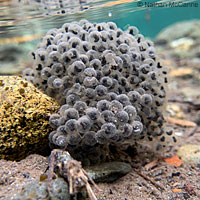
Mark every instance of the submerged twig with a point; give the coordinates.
(192, 132)
(158, 186)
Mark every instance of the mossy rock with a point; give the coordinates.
(24, 115)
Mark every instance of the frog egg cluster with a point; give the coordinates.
(109, 83)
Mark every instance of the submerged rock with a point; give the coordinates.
(24, 115)
(108, 172)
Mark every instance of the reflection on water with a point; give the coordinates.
(24, 21)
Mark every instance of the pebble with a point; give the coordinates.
(24, 118)
(190, 153)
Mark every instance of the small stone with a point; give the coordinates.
(108, 172)
(24, 115)
(190, 153)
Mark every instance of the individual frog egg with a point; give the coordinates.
(57, 69)
(122, 80)
(74, 42)
(89, 138)
(103, 105)
(62, 120)
(57, 83)
(95, 63)
(71, 99)
(90, 93)
(41, 55)
(131, 110)
(63, 108)
(132, 30)
(92, 113)
(122, 117)
(109, 129)
(51, 48)
(74, 28)
(119, 33)
(67, 82)
(137, 128)
(145, 68)
(106, 81)
(146, 85)
(84, 59)
(88, 26)
(135, 56)
(94, 37)
(85, 46)
(100, 137)
(108, 116)
(69, 56)
(71, 126)
(90, 82)
(84, 124)
(80, 106)
(101, 26)
(65, 27)
(115, 106)
(91, 72)
(61, 130)
(54, 56)
(140, 90)
(134, 96)
(54, 120)
(112, 25)
(112, 35)
(104, 36)
(77, 89)
(74, 139)
(92, 54)
(150, 62)
(63, 47)
(71, 113)
(112, 96)
(83, 35)
(45, 73)
(146, 100)
(123, 48)
(126, 130)
(143, 46)
(61, 141)
(78, 66)
(133, 80)
(50, 137)
(66, 37)
(58, 37)
(101, 90)
(123, 99)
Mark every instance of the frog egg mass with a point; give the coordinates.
(110, 84)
